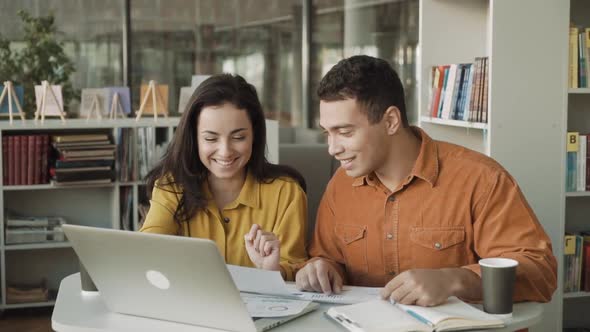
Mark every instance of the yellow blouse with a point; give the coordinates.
(279, 207)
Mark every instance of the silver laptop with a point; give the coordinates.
(166, 277)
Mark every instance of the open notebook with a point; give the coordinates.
(381, 316)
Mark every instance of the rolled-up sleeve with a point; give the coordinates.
(505, 226)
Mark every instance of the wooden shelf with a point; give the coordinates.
(454, 123)
(33, 246)
(573, 295)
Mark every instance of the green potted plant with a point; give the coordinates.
(41, 58)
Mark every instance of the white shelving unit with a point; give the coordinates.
(527, 98)
(577, 204)
(90, 205)
(93, 205)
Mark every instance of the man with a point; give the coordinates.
(410, 213)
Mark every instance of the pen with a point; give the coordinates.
(420, 318)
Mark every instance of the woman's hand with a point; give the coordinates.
(263, 248)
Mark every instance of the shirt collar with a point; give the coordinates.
(425, 168)
(249, 195)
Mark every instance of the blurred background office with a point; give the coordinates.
(282, 47)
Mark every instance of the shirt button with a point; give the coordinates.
(391, 198)
(437, 245)
(390, 236)
(226, 219)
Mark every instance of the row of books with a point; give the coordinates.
(70, 159)
(577, 163)
(125, 154)
(149, 152)
(83, 159)
(460, 91)
(577, 262)
(25, 159)
(579, 57)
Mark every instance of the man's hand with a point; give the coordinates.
(319, 276)
(263, 248)
(429, 288)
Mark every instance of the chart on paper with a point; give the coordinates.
(271, 283)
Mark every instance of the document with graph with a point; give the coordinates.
(259, 281)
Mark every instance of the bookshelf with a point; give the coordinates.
(527, 98)
(92, 205)
(97, 205)
(577, 204)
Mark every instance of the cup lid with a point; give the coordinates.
(498, 262)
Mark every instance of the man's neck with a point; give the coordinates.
(401, 159)
(226, 191)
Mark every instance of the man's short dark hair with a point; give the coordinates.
(371, 81)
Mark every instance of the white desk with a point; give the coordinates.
(76, 312)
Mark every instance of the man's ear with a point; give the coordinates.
(392, 120)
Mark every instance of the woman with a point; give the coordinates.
(214, 182)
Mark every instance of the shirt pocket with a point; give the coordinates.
(354, 247)
(438, 247)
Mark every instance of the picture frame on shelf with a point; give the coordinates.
(11, 100)
(49, 101)
(154, 100)
(118, 101)
(93, 102)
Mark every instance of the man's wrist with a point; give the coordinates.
(464, 283)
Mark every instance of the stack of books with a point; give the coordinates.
(27, 293)
(22, 229)
(83, 159)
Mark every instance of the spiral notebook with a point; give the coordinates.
(380, 315)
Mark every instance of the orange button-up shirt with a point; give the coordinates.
(456, 207)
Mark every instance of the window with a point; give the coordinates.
(257, 39)
(384, 29)
(91, 32)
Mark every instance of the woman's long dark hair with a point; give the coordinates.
(181, 167)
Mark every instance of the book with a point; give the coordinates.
(63, 164)
(571, 162)
(79, 138)
(381, 315)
